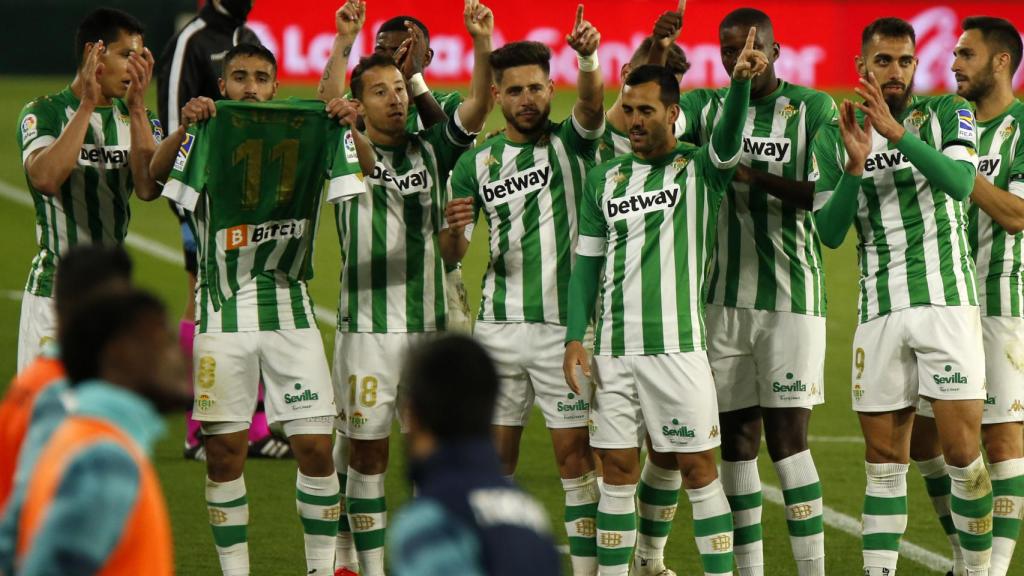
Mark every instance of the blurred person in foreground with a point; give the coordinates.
(468, 519)
(94, 504)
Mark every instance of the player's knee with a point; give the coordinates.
(1003, 442)
(369, 456)
(741, 434)
(225, 457)
(572, 452)
(698, 470)
(620, 467)
(313, 454)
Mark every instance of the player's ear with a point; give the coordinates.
(862, 69)
(624, 72)
(776, 50)
(221, 85)
(429, 57)
(673, 113)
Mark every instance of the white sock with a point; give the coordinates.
(971, 505)
(801, 491)
(885, 516)
(316, 500)
(228, 507)
(581, 497)
(344, 547)
(712, 526)
(1008, 501)
(937, 484)
(616, 528)
(657, 499)
(742, 485)
(368, 518)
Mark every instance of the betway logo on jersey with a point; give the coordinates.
(244, 235)
(109, 157)
(767, 149)
(518, 184)
(408, 183)
(641, 203)
(988, 166)
(888, 160)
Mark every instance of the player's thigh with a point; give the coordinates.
(679, 405)
(730, 352)
(369, 367)
(225, 377)
(884, 372)
(561, 407)
(508, 344)
(297, 380)
(947, 342)
(790, 358)
(459, 319)
(615, 414)
(1003, 339)
(37, 327)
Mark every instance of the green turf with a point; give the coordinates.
(275, 532)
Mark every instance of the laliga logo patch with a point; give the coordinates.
(28, 128)
(183, 151)
(350, 148)
(965, 120)
(158, 129)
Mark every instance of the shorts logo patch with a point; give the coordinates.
(858, 392)
(951, 381)
(204, 403)
(207, 373)
(577, 410)
(714, 432)
(28, 128)
(990, 400)
(305, 396)
(791, 389)
(358, 420)
(1017, 406)
(183, 151)
(682, 432)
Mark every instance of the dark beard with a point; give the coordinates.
(898, 104)
(981, 85)
(527, 129)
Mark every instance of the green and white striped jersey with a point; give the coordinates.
(767, 255)
(252, 178)
(654, 224)
(616, 143)
(392, 278)
(529, 195)
(997, 254)
(92, 206)
(913, 242)
(449, 102)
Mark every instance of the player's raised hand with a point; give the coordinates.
(584, 38)
(856, 139)
(750, 62)
(197, 110)
(459, 214)
(344, 110)
(877, 109)
(668, 26)
(411, 55)
(575, 355)
(92, 69)
(140, 71)
(349, 19)
(479, 19)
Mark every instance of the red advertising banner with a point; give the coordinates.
(819, 38)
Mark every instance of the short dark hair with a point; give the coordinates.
(999, 34)
(368, 63)
(675, 61)
(660, 75)
(745, 18)
(451, 386)
(246, 49)
(98, 322)
(522, 53)
(85, 270)
(397, 24)
(104, 24)
(888, 27)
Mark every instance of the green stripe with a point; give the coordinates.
(654, 528)
(975, 542)
(378, 259)
(976, 508)
(650, 268)
(582, 511)
(415, 254)
(315, 527)
(225, 536)
(1003, 527)
(747, 534)
(616, 522)
(739, 502)
(806, 493)
(579, 546)
(882, 541)
(242, 501)
(879, 506)
(938, 487)
(657, 496)
(614, 556)
(717, 563)
(947, 524)
(1008, 487)
(316, 500)
(808, 527)
(368, 540)
(366, 505)
(712, 525)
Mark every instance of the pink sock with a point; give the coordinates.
(186, 334)
(259, 429)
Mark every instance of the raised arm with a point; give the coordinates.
(345, 112)
(480, 25)
(196, 110)
(411, 58)
(666, 30)
(589, 108)
(727, 136)
(348, 20)
(835, 200)
(143, 143)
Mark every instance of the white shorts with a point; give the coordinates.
(227, 368)
(1004, 371)
(458, 318)
(37, 327)
(930, 351)
(672, 394)
(763, 358)
(528, 357)
(367, 380)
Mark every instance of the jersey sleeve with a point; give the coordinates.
(427, 541)
(38, 126)
(692, 108)
(188, 175)
(88, 515)
(578, 139)
(449, 139)
(464, 184)
(346, 176)
(821, 111)
(959, 131)
(827, 159)
(1015, 184)
(449, 102)
(593, 228)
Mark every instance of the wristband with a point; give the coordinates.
(587, 63)
(417, 85)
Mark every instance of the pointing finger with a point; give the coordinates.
(579, 18)
(682, 7)
(751, 34)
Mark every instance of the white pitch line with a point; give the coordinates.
(835, 519)
(148, 246)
